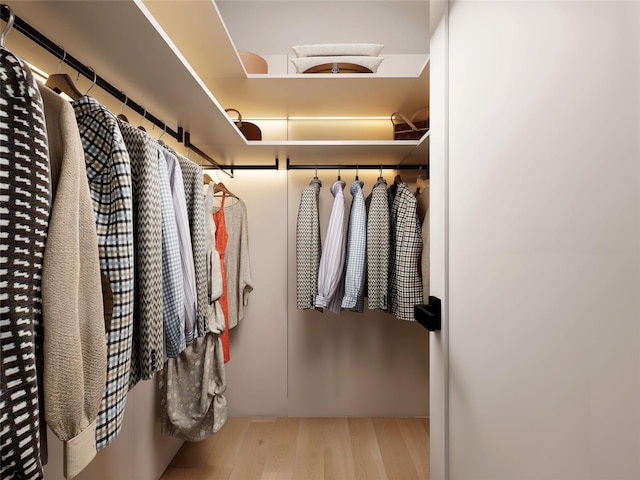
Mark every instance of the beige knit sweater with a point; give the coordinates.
(75, 351)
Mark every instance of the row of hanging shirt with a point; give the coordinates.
(104, 270)
(378, 256)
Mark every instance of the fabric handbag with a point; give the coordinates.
(250, 130)
(410, 128)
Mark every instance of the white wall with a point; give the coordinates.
(544, 247)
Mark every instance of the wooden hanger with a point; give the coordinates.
(220, 187)
(61, 82)
(207, 179)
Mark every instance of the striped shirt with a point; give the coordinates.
(330, 278)
(186, 248)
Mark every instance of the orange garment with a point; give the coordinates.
(221, 245)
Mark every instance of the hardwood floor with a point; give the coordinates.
(260, 448)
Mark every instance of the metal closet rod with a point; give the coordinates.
(291, 166)
(34, 35)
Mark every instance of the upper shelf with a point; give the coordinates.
(189, 85)
(200, 34)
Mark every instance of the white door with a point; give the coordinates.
(535, 167)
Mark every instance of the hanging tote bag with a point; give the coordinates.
(250, 130)
(410, 128)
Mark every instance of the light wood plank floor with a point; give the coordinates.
(260, 448)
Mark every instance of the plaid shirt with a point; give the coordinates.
(356, 251)
(406, 237)
(109, 174)
(172, 280)
(148, 337)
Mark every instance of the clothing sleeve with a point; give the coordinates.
(245, 284)
(75, 350)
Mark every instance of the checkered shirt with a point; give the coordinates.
(308, 246)
(172, 281)
(24, 210)
(109, 175)
(356, 251)
(378, 245)
(406, 236)
(148, 337)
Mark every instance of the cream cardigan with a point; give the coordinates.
(75, 351)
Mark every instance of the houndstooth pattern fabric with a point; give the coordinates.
(330, 273)
(184, 238)
(109, 175)
(24, 215)
(378, 245)
(308, 246)
(172, 280)
(356, 251)
(406, 234)
(148, 338)
(192, 176)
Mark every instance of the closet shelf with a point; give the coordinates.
(134, 46)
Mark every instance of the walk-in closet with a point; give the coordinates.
(181, 303)
(292, 388)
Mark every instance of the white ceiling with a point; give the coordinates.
(272, 27)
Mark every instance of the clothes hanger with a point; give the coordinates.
(357, 179)
(221, 188)
(339, 179)
(380, 177)
(164, 130)
(62, 82)
(8, 26)
(420, 183)
(397, 180)
(121, 115)
(315, 177)
(144, 114)
(95, 78)
(207, 179)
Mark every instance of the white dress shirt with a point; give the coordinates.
(332, 260)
